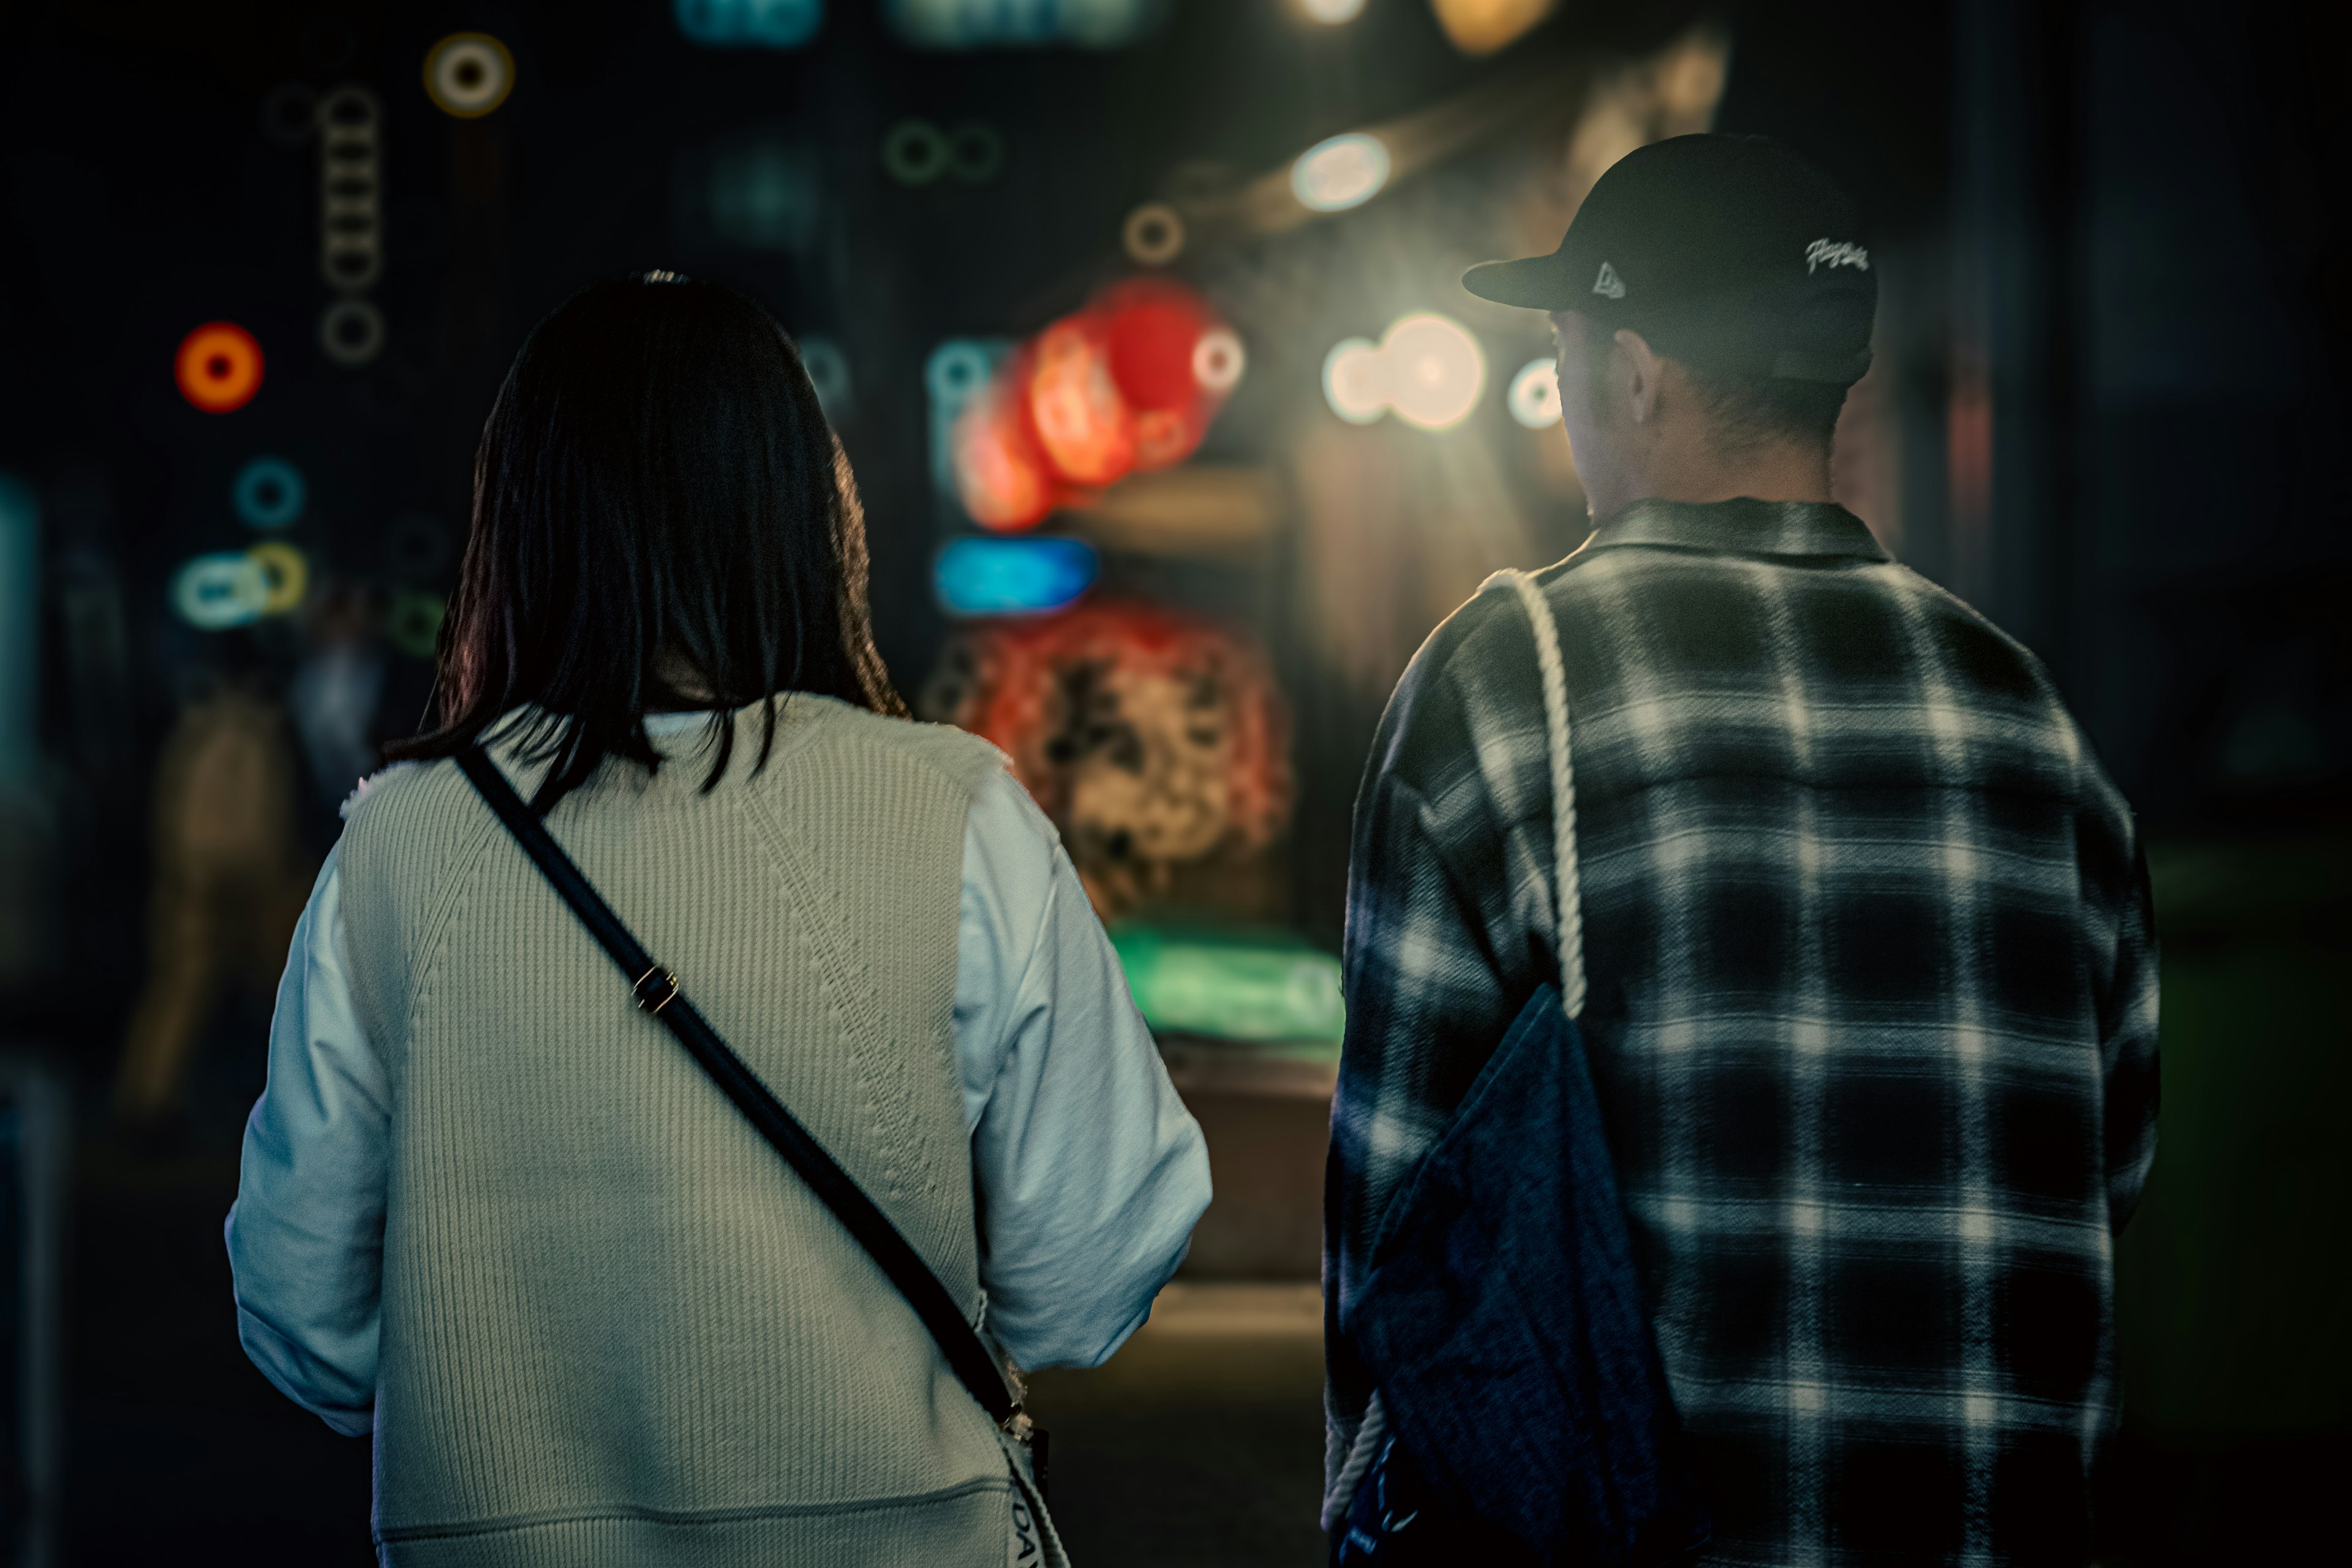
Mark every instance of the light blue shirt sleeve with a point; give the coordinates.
(306, 1233)
(1090, 1172)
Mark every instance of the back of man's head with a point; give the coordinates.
(1731, 259)
(1746, 413)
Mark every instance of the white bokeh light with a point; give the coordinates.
(1218, 360)
(1426, 369)
(1535, 394)
(1356, 380)
(1435, 370)
(1342, 172)
(1331, 13)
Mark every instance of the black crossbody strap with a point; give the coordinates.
(657, 992)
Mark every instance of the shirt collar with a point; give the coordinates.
(1741, 527)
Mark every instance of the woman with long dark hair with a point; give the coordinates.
(495, 1215)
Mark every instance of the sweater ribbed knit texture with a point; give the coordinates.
(617, 1329)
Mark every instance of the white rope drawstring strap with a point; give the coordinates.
(1568, 920)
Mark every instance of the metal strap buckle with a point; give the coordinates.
(656, 988)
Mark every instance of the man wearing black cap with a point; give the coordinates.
(1873, 986)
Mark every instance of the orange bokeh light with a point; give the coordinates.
(1000, 475)
(1082, 422)
(218, 367)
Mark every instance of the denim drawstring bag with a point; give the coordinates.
(1522, 1414)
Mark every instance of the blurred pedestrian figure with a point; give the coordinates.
(228, 884)
(1872, 1000)
(494, 1214)
(338, 687)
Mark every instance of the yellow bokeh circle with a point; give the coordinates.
(468, 74)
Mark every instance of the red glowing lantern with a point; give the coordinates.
(1131, 382)
(1001, 476)
(218, 367)
(1154, 326)
(1082, 422)
(1152, 737)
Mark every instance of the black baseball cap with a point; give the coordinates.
(1729, 253)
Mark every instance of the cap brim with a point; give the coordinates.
(1533, 283)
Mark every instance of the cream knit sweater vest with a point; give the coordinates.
(616, 1328)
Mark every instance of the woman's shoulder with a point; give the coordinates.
(959, 754)
(403, 805)
(373, 787)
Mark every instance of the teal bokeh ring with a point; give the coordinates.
(270, 493)
(957, 370)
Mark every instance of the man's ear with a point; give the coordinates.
(1641, 367)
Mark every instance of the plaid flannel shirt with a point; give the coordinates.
(1872, 1017)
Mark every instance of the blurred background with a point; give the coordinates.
(1139, 322)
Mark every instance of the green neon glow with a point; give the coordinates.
(1258, 987)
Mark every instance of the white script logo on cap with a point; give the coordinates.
(1843, 253)
(1609, 283)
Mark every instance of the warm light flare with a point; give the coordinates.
(1483, 26)
(1356, 380)
(1438, 370)
(1426, 369)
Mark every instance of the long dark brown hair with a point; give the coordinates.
(655, 478)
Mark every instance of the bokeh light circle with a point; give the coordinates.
(414, 623)
(1535, 394)
(467, 75)
(1356, 380)
(351, 331)
(270, 493)
(1436, 370)
(218, 367)
(1342, 172)
(1153, 234)
(1218, 360)
(285, 572)
(289, 113)
(956, 371)
(213, 593)
(828, 372)
(1333, 12)
(1426, 369)
(915, 152)
(975, 152)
